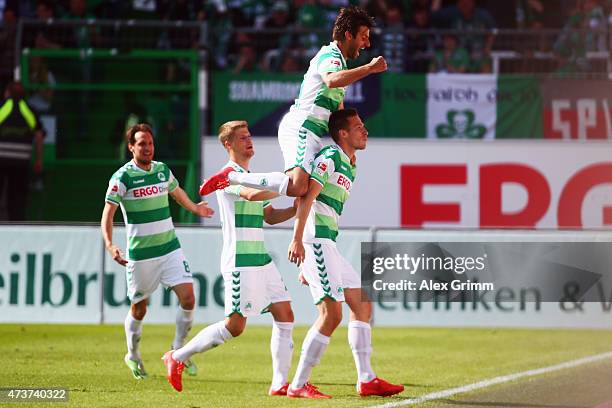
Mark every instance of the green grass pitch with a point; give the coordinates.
(89, 361)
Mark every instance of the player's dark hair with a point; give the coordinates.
(130, 134)
(339, 120)
(349, 20)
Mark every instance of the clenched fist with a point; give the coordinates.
(377, 65)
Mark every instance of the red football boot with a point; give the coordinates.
(307, 391)
(175, 371)
(280, 391)
(216, 181)
(380, 387)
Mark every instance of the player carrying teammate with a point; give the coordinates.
(253, 285)
(141, 187)
(321, 93)
(330, 277)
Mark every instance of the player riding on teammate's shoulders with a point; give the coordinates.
(321, 94)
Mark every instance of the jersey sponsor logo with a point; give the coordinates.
(336, 62)
(161, 176)
(114, 189)
(148, 191)
(344, 182)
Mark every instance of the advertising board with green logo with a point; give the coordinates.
(438, 106)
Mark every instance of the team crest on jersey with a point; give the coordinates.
(248, 306)
(161, 176)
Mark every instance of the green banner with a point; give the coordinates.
(397, 105)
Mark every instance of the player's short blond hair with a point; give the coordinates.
(227, 130)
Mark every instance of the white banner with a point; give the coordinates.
(52, 275)
(464, 184)
(461, 106)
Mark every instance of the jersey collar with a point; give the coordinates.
(236, 166)
(135, 166)
(345, 155)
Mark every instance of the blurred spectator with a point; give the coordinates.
(291, 64)
(179, 10)
(246, 56)
(280, 39)
(593, 12)
(331, 8)
(420, 43)
(83, 36)
(279, 19)
(40, 75)
(393, 39)
(529, 13)
(248, 13)
(471, 21)
(451, 58)
(311, 17)
(20, 133)
(44, 35)
(579, 36)
(220, 31)
(377, 9)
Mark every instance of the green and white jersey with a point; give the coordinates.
(143, 197)
(332, 168)
(242, 226)
(315, 98)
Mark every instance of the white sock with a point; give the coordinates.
(314, 345)
(209, 337)
(281, 347)
(184, 321)
(276, 182)
(360, 340)
(133, 331)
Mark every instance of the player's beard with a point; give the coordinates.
(143, 161)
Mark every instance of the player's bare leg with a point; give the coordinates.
(281, 346)
(360, 341)
(315, 344)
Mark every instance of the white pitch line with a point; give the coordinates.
(497, 380)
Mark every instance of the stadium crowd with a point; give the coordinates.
(282, 35)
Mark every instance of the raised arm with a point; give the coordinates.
(346, 77)
(106, 225)
(201, 209)
(296, 253)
